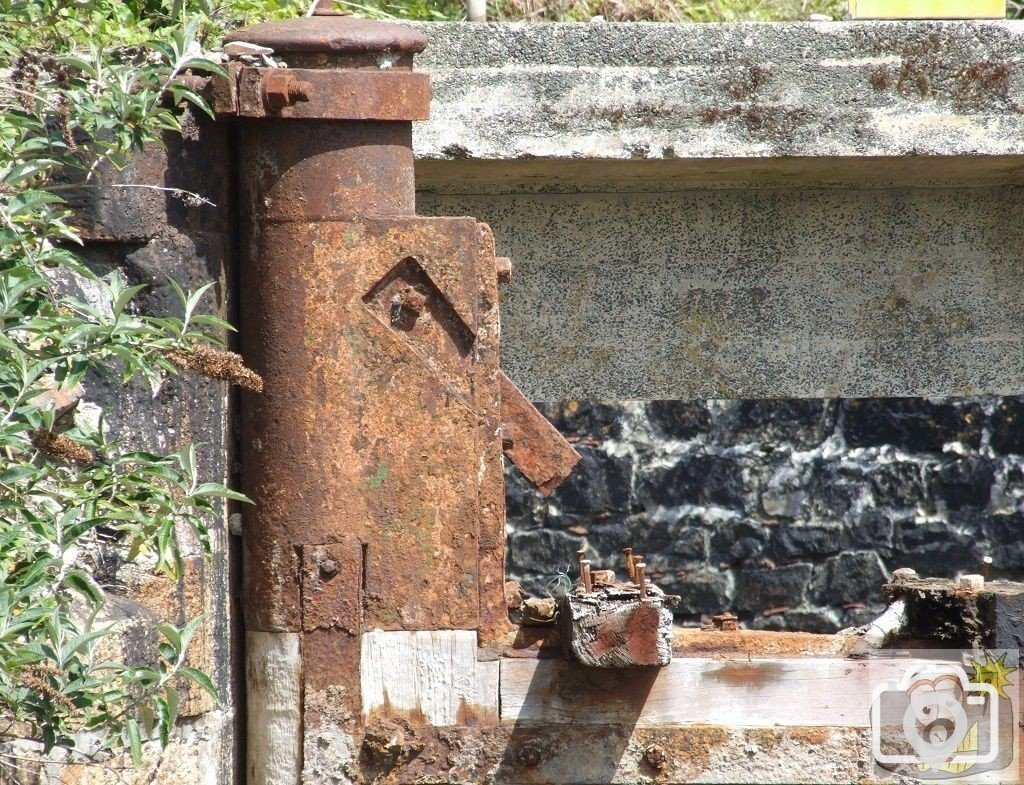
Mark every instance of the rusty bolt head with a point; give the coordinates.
(412, 299)
(328, 568)
(656, 756)
(503, 266)
(281, 89)
(529, 753)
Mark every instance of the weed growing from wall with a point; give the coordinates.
(85, 84)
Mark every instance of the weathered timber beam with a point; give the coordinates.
(695, 691)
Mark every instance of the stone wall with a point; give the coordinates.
(135, 222)
(791, 513)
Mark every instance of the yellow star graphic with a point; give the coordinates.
(994, 672)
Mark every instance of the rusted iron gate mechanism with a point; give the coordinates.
(374, 454)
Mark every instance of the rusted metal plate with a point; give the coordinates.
(494, 623)
(533, 444)
(333, 95)
(332, 578)
(371, 406)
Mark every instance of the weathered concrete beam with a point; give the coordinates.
(740, 211)
(732, 91)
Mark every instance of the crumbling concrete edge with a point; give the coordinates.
(597, 91)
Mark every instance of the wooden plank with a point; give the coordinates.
(428, 678)
(819, 692)
(273, 689)
(927, 9)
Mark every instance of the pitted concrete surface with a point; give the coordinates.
(740, 210)
(667, 91)
(758, 293)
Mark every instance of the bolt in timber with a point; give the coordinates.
(376, 332)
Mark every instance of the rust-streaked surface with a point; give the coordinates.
(527, 642)
(357, 95)
(372, 410)
(393, 752)
(323, 170)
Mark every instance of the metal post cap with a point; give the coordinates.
(332, 35)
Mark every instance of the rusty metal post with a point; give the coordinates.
(374, 454)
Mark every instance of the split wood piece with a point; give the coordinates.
(273, 683)
(427, 678)
(616, 628)
(991, 616)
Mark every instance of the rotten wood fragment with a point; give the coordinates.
(617, 627)
(982, 613)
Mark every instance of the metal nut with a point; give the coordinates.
(328, 568)
(656, 756)
(503, 267)
(412, 299)
(281, 89)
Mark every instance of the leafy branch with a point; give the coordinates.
(89, 83)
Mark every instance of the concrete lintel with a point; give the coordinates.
(668, 93)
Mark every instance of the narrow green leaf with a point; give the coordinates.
(133, 739)
(202, 680)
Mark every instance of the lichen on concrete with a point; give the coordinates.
(602, 91)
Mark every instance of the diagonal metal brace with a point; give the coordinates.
(532, 443)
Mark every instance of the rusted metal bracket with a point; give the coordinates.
(309, 94)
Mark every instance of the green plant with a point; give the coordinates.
(85, 89)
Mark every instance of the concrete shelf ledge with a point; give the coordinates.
(732, 104)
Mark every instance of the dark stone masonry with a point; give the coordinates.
(789, 513)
